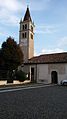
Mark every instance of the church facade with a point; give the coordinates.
(47, 68)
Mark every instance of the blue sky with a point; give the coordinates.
(49, 16)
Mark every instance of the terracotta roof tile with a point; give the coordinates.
(50, 58)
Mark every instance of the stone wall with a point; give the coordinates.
(60, 68)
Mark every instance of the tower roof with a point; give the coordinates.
(27, 16)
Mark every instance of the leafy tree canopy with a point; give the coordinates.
(11, 54)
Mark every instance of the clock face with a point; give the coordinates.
(24, 42)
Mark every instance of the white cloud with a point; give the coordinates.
(8, 19)
(48, 29)
(9, 10)
(35, 53)
(1, 33)
(62, 42)
(49, 51)
(11, 5)
(11, 20)
(38, 5)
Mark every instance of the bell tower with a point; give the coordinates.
(26, 36)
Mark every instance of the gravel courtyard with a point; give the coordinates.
(39, 103)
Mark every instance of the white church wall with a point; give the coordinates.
(61, 70)
(42, 73)
(63, 76)
(66, 67)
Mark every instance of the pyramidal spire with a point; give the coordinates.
(27, 16)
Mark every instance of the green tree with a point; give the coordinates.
(11, 55)
(3, 72)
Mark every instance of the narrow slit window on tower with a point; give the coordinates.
(31, 36)
(22, 35)
(25, 34)
(25, 26)
(31, 28)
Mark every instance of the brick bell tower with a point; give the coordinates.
(26, 36)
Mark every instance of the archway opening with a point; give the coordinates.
(54, 77)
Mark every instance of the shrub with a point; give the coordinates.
(20, 75)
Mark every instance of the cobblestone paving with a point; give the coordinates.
(41, 103)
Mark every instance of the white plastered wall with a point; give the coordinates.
(61, 70)
(63, 76)
(42, 73)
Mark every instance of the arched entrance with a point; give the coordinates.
(54, 77)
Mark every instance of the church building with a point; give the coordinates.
(47, 68)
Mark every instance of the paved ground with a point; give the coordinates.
(35, 103)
